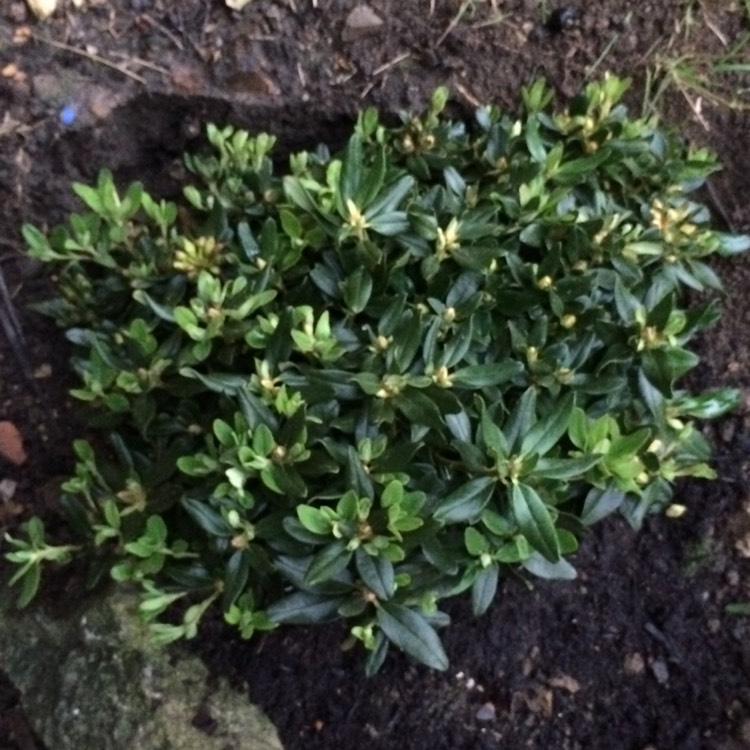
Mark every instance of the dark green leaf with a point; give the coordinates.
(545, 434)
(564, 468)
(419, 408)
(209, 519)
(482, 376)
(328, 563)
(535, 521)
(540, 566)
(484, 588)
(303, 608)
(357, 290)
(376, 573)
(376, 657)
(663, 366)
(235, 578)
(466, 503)
(351, 170)
(600, 503)
(411, 632)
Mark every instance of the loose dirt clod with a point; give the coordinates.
(11, 444)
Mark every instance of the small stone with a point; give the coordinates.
(566, 682)
(660, 671)
(634, 664)
(743, 546)
(361, 21)
(17, 13)
(727, 431)
(42, 8)
(43, 371)
(7, 489)
(486, 712)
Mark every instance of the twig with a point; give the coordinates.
(13, 332)
(95, 58)
(719, 206)
(144, 63)
(156, 25)
(711, 25)
(396, 60)
(454, 21)
(301, 74)
(697, 107)
(468, 96)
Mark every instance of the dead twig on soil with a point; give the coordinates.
(465, 5)
(144, 63)
(387, 66)
(89, 56)
(13, 332)
(154, 24)
(467, 95)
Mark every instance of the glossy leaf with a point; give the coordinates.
(377, 574)
(467, 502)
(411, 632)
(483, 589)
(535, 521)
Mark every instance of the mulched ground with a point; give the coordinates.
(639, 652)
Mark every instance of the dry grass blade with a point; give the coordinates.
(13, 332)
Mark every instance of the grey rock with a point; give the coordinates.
(486, 712)
(361, 21)
(91, 679)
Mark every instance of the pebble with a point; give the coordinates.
(362, 20)
(486, 712)
(660, 671)
(634, 664)
(17, 13)
(7, 489)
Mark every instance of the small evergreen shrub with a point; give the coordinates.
(388, 376)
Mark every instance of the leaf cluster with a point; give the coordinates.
(390, 375)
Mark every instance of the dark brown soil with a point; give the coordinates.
(636, 654)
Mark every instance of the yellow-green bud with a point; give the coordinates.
(544, 283)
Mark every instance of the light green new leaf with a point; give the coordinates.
(313, 520)
(475, 542)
